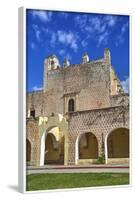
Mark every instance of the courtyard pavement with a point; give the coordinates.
(78, 169)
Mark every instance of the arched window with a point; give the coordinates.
(52, 62)
(71, 106)
(32, 113)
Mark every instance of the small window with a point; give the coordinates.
(71, 106)
(32, 113)
(52, 62)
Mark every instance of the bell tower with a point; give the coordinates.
(107, 56)
(50, 63)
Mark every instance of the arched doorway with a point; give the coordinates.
(54, 150)
(86, 147)
(58, 122)
(28, 151)
(118, 143)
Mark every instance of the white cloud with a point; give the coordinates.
(64, 54)
(103, 39)
(120, 38)
(125, 84)
(111, 20)
(53, 39)
(97, 24)
(38, 35)
(81, 21)
(37, 32)
(124, 27)
(35, 27)
(68, 38)
(68, 56)
(74, 45)
(42, 15)
(89, 29)
(98, 27)
(45, 30)
(32, 45)
(102, 27)
(64, 37)
(84, 43)
(37, 88)
(91, 24)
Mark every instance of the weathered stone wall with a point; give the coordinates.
(32, 134)
(53, 102)
(88, 84)
(90, 81)
(34, 101)
(100, 122)
(121, 99)
(115, 85)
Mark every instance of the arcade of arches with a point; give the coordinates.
(117, 143)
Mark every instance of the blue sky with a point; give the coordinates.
(70, 35)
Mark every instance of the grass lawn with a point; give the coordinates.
(74, 180)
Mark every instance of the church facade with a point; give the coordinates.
(80, 117)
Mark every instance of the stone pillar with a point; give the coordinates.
(107, 56)
(76, 103)
(46, 66)
(35, 153)
(66, 149)
(85, 58)
(71, 150)
(33, 136)
(66, 63)
(65, 105)
(100, 145)
(106, 151)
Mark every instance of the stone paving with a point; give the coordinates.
(79, 169)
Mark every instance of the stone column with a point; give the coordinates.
(71, 149)
(100, 144)
(35, 153)
(107, 56)
(66, 149)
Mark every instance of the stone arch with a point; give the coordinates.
(28, 151)
(53, 140)
(53, 150)
(117, 145)
(47, 124)
(89, 142)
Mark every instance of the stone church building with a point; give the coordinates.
(80, 117)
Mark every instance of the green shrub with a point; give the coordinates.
(101, 159)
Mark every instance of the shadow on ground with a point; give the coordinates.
(13, 187)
